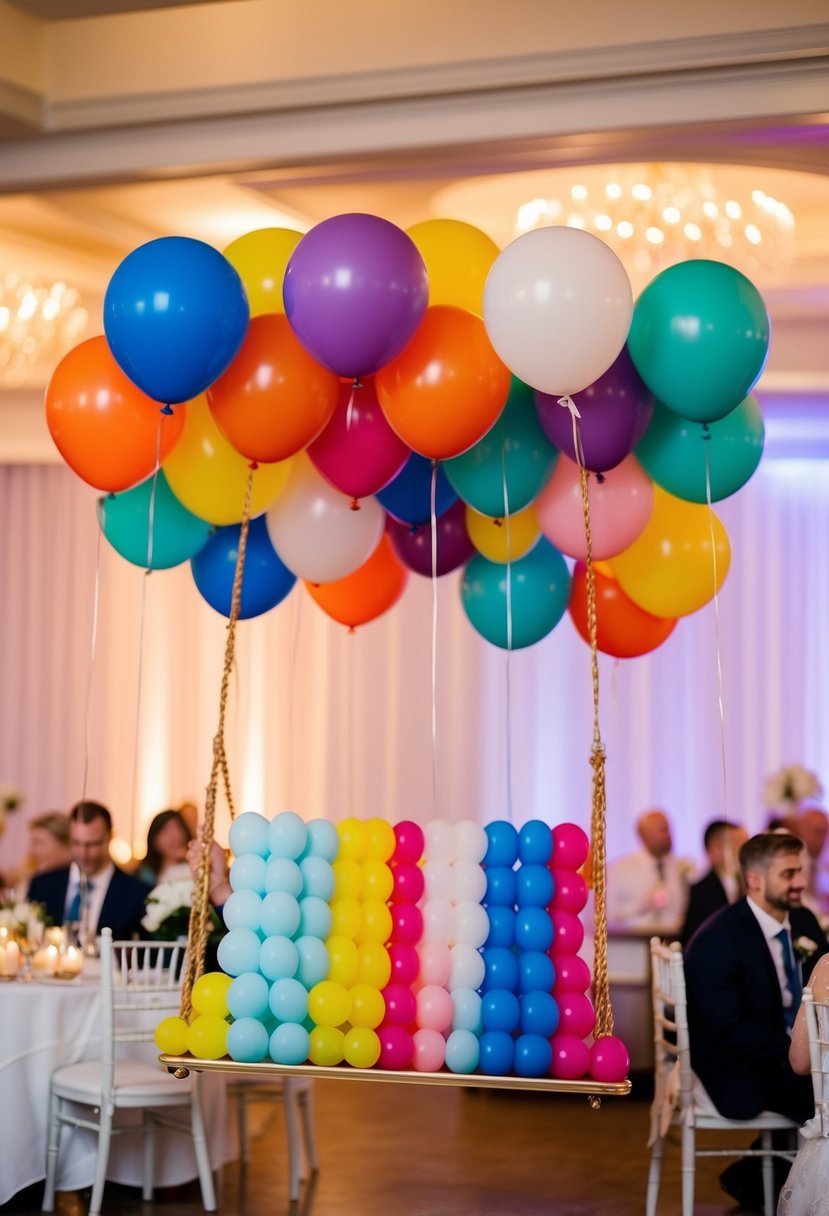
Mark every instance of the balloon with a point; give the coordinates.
(557, 308)
(503, 540)
(367, 1006)
(380, 839)
(536, 972)
(209, 993)
(500, 886)
(209, 477)
(623, 629)
(620, 501)
(405, 963)
(438, 922)
(238, 951)
(429, 1050)
(207, 1037)
(265, 580)
(326, 1046)
(458, 257)
(274, 399)
(378, 882)
(280, 915)
(260, 258)
(317, 877)
(462, 1051)
(444, 391)
(467, 968)
(355, 290)
(374, 965)
(367, 593)
(322, 839)
(468, 882)
(570, 893)
(410, 841)
(435, 962)
(314, 917)
(538, 593)
(466, 1010)
(471, 841)
(501, 926)
(674, 452)
(669, 569)
(249, 834)
(533, 929)
(699, 338)
(570, 846)
(288, 1000)
(396, 1048)
(471, 925)
(539, 1013)
(535, 843)
(502, 843)
(342, 953)
(362, 1047)
(571, 1057)
(175, 315)
(533, 1055)
(289, 1044)
(329, 1003)
(501, 969)
(409, 497)
(177, 534)
(376, 924)
(500, 1010)
(615, 412)
(497, 1052)
(278, 958)
(353, 838)
(247, 996)
(347, 916)
(313, 961)
(609, 1059)
(105, 428)
(348, 878)
(283, 874)
(171, 1036)
(438, 879)
(247, 873)
(243, 910)
(358, 452)
(413, 542)
(287, 835)
(572, 973)
(534, 886)
(567, 935)
(439, 838)
(434, 1008)
(408, 882)
(576, 1014)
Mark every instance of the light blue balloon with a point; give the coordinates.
(249, 834)
(317, 877)
(278, 958)
(282, 874)
(248, 873)
(247, 1041)
(290, 1044)
(289, 1000)
(242, 910)
(247, 996)
(280, 914)
(313, 961)
(323, 839)
(238, 952)
(466, 1005)
(124, 520)
(539, 589)
(314, 917)
(287, 835)
(463, 1051)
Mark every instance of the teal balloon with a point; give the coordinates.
(124, 520)
(699, 338)
(539, 591)
(515, 449)
(673, 451)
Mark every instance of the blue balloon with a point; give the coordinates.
(497, 1053)
(535, 843)
(466, 1006)
(177, 534)
(534, 886)
(280, 915)
(289, 1000)
(247, 996)
(536, 972)
(266, 580)
(249, 834)
(175, 317)
(323, 839)
(462, 1051)
(287, 835)
(500, 1010)
(238, 951)
(242, 910)
(501, 927)
(539, 1014)
(533, 929)
(314, 917)
(501, 969)
(289, 1044)
(313, 961)
(500, 887)
(317, 876)
(247, 1041)
(409, 497)
(278, 958)
(533, 1056)
(282, 874)
(502, 843)
(248, 873)
(538, 595)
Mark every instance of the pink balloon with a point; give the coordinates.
(572, 973)
(568, 933)
(410, 841)
(570, 893)
(408, 882)
(609, 1059)
(405, 963)
(621, 502)
(359, 454)
(406, 923)
(434, 1008)
(396, 1047)
(571, 1057)
(401, 1006)
(576, 1014)
(435, 963)
(429, 1050)
(570, 846)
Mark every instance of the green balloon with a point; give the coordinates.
(673, 451)
(699, 338)
(124, 520)
(514, 450)
(539, 592)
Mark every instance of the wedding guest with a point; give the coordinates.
(721, 885)
(219, 889)
(91, 891)
(812, 826)
(166, 857)
(648, 889)
(805, 1190)
(48, 848)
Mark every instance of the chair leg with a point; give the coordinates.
(242, 1124)
(149, 1157)
(306, 1101)
(654, 1176)
(768, 1174)
(689, 1164)
(52, 1146)
(208, 1194)
(294, 1147)
(102, 1159)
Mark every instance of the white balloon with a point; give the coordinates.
(471, 925)
(470, 841)
(438, 921)
(438, 878)
(314, 530)
(469, 882)
(439, 835)
(557, 308)
(467, 968)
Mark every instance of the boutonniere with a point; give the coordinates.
(804, 948)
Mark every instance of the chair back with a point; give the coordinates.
(817, 1023)
(672, 1048)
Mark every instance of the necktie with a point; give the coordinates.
(792, 977)
(74, 913)
(660, 869)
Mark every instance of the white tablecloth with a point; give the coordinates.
(44, 1025)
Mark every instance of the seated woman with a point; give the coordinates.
(166, 858)
(806, 1192)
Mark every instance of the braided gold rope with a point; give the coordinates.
(199, 927)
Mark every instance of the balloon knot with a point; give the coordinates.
(254, 464)
(357, 383)
(706, 431)
(352, 629)
(600, 479)
(499, 523)
(167, 409)
(567, 403)
(355, 506)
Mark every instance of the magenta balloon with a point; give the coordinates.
(615, 412)
(413, 544)
(355, 291)
(364, 454)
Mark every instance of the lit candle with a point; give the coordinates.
(12, 958)
(71, 963)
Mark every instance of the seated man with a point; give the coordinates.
(648, 889)
(91, 891)
(721, 885)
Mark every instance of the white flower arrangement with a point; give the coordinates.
(168, 899)
(789, 787)
(22, 918)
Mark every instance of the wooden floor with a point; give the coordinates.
(394, 1150)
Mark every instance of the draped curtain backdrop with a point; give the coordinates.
(122, 705)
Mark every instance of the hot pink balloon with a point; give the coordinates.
(571, 1057)
(609, 1059)
(407, 923)
(410, 840)
(429, 1050)
(358, 452)
(621, 502)
(396, 1048)
(570, 846)
(570, 893)
(434, 1008)
(576, 1014)
(572, 973)
(408, 882)
(568, 933)
(405, 963)
(401, 1006)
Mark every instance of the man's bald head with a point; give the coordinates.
(655, 832)
(812, 826)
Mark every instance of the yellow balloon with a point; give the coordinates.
(260, 258)
(376, 923)
(458, 258)
(380, 839)
(352, 833)
(362, 1047)
(171, 1036)
(343, 960)
(346, 918)
(669, 568)
(374, 964)
(209, 993)
(378, 882)
(503, 540)
(207, 1037)
(327, 1046)
(209, 477)
(348, 878)
(367, 1006)
(329, 1003)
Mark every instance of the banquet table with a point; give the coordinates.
(45, 1024)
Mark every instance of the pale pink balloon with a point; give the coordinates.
(438, 921)
(429, 1050)
(609, 1059)
(621, 502)
(434, 1008)
(358, 452)
(435, 963)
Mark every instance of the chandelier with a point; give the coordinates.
(655, 215)
(39, 322)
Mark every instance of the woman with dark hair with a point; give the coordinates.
(166, 857)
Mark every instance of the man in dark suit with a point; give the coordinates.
(721, 885)
(91, 891)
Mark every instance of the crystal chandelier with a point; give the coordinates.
(655, 215)
(39, 323)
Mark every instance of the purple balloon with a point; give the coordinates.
(615, 412)
(355, 291)
(413, 543)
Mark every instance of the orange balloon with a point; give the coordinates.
(108, 431)
(274, 399)
(623, 629)
(445, 390)
(368, 592)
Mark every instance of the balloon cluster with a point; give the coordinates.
(418, 402)
(399, 947)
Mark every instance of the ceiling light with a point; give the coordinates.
(39, 322)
